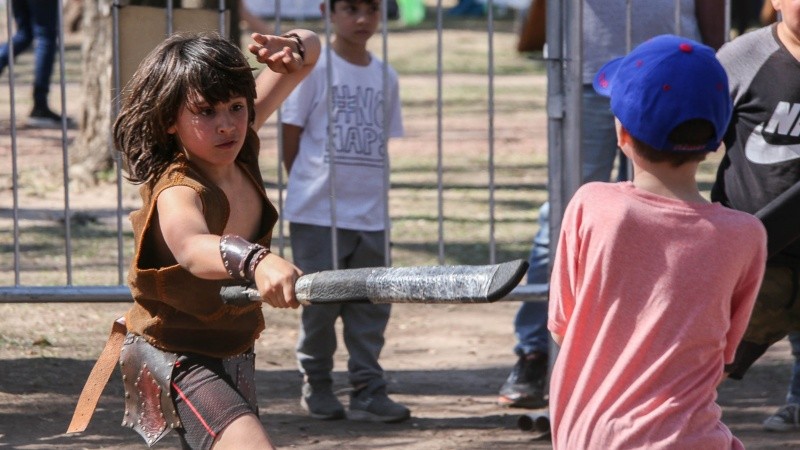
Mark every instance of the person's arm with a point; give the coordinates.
(185, 232)
(254, 23)
(781, 220)
(287, 68)
(710, 16)
(291, 144)
(186, 235)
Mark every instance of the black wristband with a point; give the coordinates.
(250, 269)
(301, 49)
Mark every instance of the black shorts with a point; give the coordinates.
(210, 393)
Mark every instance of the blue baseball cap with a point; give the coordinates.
(663, 83)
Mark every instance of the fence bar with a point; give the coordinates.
(14, 166)
(387, 183)
(64, 150)
(490, 32)
(727, 21)
(439, 129)
(55, 294)
(222, 28)
(279, 170)
(121, 294)
(170, 18)
(116, 96)
(331, 149)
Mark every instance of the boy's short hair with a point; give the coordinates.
(663, 83)
(355, 2)
(691, 132)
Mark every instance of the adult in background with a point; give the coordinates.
(37, 21)
(760, 164)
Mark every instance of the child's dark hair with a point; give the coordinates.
(690, 133)
(187, 68)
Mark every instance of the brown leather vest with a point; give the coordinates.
(173, 309)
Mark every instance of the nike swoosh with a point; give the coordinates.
(759, 151)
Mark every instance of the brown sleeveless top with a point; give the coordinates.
(173, 309)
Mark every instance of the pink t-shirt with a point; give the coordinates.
(652, 296)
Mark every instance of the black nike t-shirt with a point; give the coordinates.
(763, 140)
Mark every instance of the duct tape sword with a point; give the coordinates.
(417, 284)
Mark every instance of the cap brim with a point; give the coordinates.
(602, 81)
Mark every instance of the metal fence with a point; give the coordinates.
(51, 278)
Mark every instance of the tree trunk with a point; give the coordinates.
(91, 152)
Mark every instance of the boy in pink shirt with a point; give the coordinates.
(652, 285)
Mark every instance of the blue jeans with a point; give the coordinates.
(793, 395)
(598, 152)
(36, 20)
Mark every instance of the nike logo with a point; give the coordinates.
(785, 143)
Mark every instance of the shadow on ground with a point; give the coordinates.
(38, 396)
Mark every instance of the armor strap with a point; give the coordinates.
(241, 257)
(98, 378)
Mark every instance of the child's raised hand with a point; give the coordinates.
(275, 278)
(282, 54)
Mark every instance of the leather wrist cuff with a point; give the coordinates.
(240, 256)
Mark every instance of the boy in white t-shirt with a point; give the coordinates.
(348, 195)
(652, 285)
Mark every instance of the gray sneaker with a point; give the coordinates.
(320, 402)
(785, 419)
(371, 404)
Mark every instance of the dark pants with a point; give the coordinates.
(363, 324)
(37, 20)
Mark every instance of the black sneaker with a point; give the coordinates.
(320, 401)
(44, 118)
(785, 419)
(371, 404)
(525, 386)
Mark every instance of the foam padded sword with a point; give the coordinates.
(418, 284)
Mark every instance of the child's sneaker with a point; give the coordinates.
(371, 404)
(785, 419)
(320, 402)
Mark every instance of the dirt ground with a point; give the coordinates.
(445, 362)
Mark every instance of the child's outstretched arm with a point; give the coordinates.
(290, 58)
(186, 236)
(291, 144)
